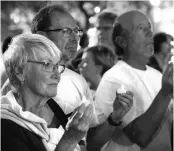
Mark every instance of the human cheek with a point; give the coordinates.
(41, 80)
(59, 41)
(150, 51)
(62, 45)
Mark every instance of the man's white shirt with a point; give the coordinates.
(144, 84)
(72, 91)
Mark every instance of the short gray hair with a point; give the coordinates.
(22, 48)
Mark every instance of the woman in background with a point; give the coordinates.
(95, 62)
(162, 51)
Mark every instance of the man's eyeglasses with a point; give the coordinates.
(49, 66)
(66, 32)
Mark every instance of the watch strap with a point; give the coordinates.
(111, 122)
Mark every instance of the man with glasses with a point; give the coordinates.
(104, 28)
(59, 26)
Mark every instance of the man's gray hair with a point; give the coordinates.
(22, 48)
(42, 19)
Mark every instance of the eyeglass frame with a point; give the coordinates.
(61, 29)
(44, 64)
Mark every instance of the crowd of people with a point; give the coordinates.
(114, 96)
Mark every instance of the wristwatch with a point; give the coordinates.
(111, 122)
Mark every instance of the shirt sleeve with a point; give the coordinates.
(16, 138)
(15, 144)
(105, 96)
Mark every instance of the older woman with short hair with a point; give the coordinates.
(28, 121)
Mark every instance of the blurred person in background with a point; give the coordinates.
(162, 51)
(95, 62)
(29, 121)
(104, 26)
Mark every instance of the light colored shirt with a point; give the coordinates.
(144, 84)
(72, 91)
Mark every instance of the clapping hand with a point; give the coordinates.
(79, 122)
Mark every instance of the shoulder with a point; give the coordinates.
(16, 137)
(119, 72)
(71, 88)
(71, 78)
(116, 68)
(154, 72)
(73, 75)
(11, 129)
(8, 124)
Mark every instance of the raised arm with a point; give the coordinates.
(101, 134)
(77, 128)
(138, 130)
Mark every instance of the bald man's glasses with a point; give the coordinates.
(66, 32)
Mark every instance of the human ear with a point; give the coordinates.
(120, 41)
(19, 72)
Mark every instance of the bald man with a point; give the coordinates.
(147, 126)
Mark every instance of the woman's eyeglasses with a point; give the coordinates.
(49, 66)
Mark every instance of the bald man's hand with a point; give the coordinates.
(122, 105)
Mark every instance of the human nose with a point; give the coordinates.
(149, 32)
(74, 36)
(56, 74)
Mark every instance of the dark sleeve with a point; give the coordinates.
(14, 137)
